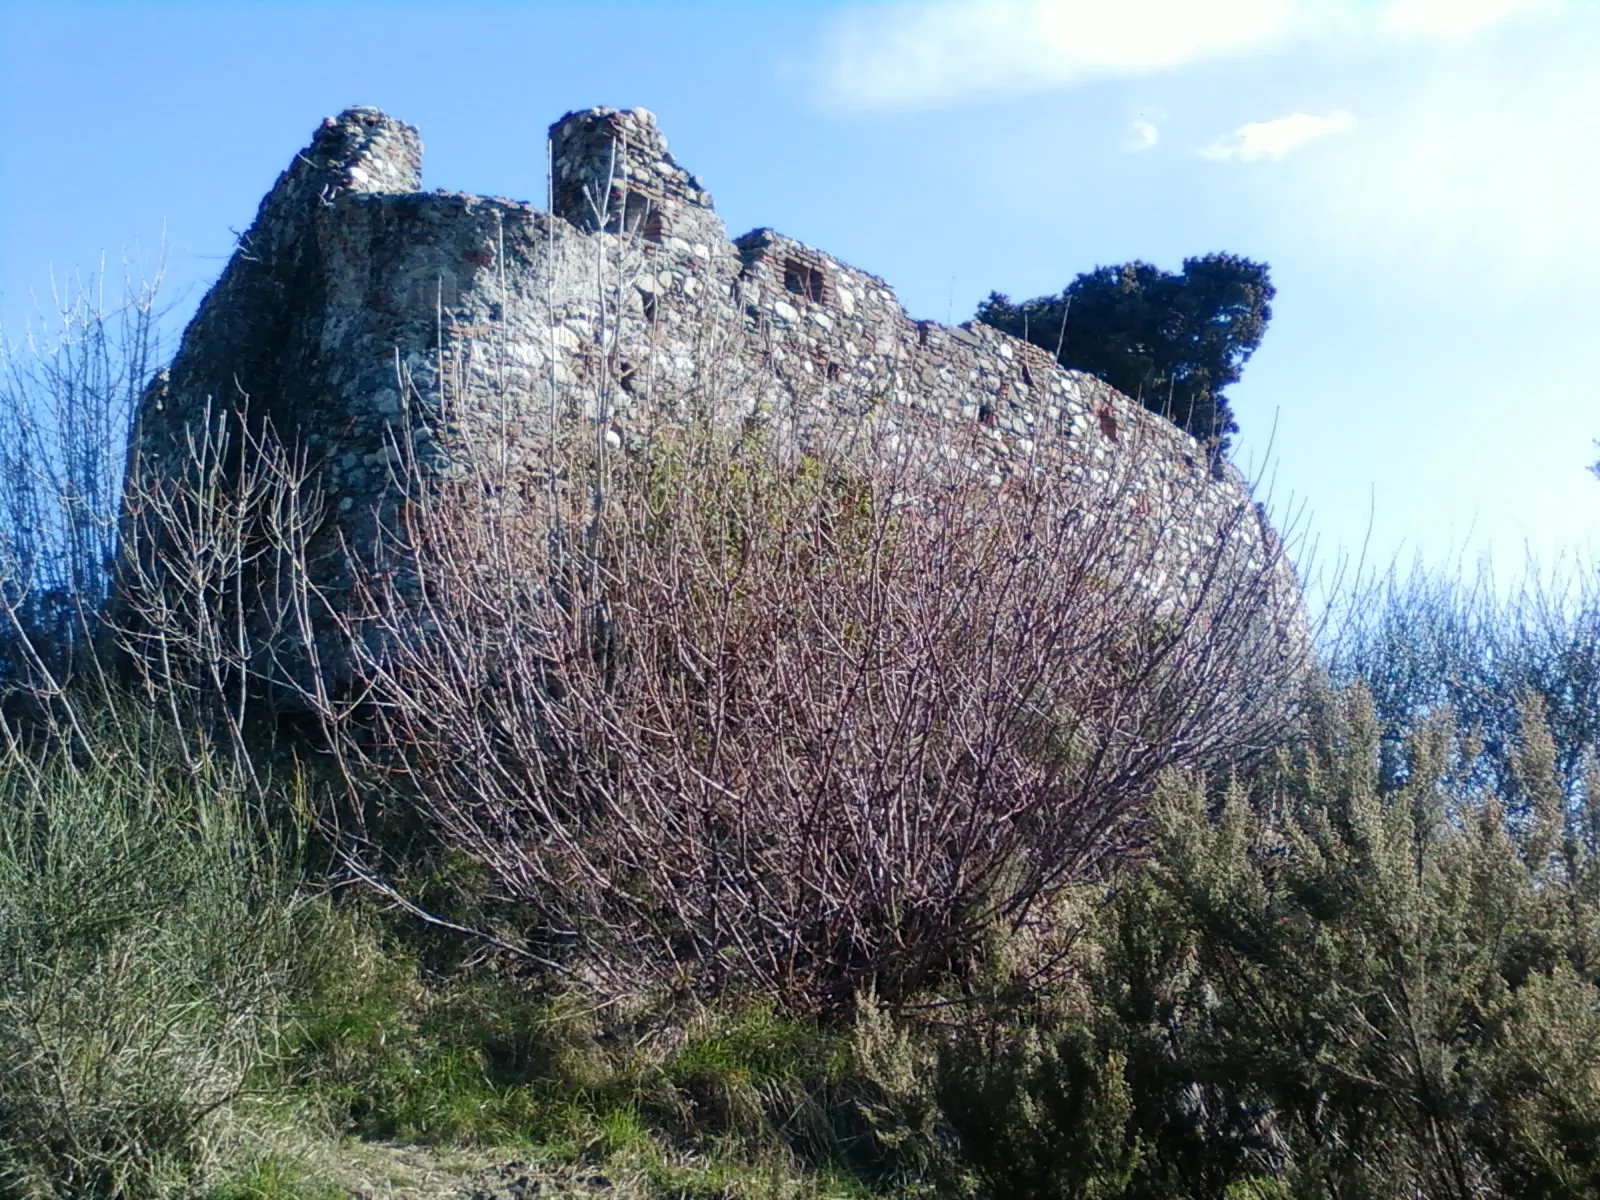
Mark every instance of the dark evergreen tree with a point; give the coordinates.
(1172, 341)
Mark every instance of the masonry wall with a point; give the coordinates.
(387, 330)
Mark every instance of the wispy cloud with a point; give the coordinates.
(1484, 174)
(909, 55)
(1266, 141)
(1143, 134)
(913, 55)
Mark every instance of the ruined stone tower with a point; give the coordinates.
(381, 329)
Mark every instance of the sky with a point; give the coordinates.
(1423, 177)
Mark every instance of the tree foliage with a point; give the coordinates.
(1423, 641)
(1173, 341)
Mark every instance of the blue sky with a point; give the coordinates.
(1423, 176)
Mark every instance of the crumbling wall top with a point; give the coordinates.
(611, 170)
(366, 150)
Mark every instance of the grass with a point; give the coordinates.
(733, 1098)
(147, 924)
(276, 1177)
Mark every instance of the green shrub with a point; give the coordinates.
(1360, 984)
(146, 923)
(1042, 1116)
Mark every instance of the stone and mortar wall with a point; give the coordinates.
(392, 331)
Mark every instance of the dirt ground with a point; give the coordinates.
(384, 1171)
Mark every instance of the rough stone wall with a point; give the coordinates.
(376, 325)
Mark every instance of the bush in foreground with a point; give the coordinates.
(747, 719)
(146, 933)
(1353, 988)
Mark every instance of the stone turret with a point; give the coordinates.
(613, 173)
(363, 150)
(249, 342)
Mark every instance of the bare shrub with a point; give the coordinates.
(67, 395)
(205, 615)
(717, 713)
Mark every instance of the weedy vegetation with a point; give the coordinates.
(758, 828)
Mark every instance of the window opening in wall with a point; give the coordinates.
(642, 216)
(1027, 375)
(986, 415)
(650, 309)
(803, 279)
(834, 372)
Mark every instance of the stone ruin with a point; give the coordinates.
(384, 330)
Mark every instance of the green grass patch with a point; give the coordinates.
(275, 1177)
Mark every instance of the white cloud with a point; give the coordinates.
(1455, 18)
(1261, 141)
(912, 55)
(909, 55)
(1142, 135)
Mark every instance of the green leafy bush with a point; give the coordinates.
(1357, 986)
